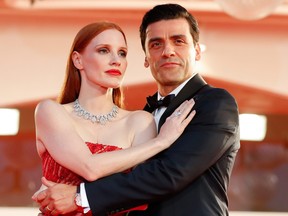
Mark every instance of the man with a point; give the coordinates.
(192, 176)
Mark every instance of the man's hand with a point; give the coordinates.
(56, 199)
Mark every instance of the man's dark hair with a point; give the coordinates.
(168, 12)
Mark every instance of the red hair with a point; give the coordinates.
(72, 83)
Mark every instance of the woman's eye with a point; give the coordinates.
(123, 53)
(103, 51)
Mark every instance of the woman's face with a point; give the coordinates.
(103, 62)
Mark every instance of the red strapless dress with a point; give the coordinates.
(53, 171)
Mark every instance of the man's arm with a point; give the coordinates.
(213, 130)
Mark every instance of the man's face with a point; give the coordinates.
(170, 53)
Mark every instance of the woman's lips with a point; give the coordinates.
(114, 72)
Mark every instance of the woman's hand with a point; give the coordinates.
(56, 199)
(42, 188)
(176, 123)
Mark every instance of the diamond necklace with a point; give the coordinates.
(102, 119)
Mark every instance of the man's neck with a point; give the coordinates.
(165, 90)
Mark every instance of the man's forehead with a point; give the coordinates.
(168, 28)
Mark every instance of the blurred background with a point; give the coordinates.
(245, 49)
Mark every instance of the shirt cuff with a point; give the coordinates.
(84, 200)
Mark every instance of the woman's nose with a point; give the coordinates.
(115, 60)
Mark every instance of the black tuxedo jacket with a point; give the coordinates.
(191, 177)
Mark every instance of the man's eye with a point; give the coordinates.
(155, 44)
(179, 41)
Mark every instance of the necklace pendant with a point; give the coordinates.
(86, 116)
(93, 119)
(103, 120)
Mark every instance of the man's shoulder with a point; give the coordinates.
(215, 91)
(214, 95)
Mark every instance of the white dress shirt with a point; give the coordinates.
(159, 112)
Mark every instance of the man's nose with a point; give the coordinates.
(168, 50)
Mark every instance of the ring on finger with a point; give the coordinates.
(178, 113)
(47, 207)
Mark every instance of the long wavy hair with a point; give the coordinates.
(72, 83)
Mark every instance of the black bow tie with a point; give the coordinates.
(154, 104)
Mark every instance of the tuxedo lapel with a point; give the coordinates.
(186, 93)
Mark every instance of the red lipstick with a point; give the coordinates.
(114, 72)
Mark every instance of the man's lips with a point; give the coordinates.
(114, 72)
(170, 64)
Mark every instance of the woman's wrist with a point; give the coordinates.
(162, 142)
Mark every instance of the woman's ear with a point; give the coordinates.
(146, 63)
(76, 58)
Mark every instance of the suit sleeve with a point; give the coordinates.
(213, 130)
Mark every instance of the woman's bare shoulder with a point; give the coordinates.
(46, 104)
(140, 119)
(140, 115)
(143, 125)
(49, 108)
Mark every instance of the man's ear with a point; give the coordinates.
(198, 52)
(146, 63)
(76, 58)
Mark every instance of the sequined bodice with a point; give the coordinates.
(53, 171)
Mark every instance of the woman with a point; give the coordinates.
(89, 120)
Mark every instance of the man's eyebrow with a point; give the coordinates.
(178, 36)
(154, 39)
(151, 40)
(172, 36)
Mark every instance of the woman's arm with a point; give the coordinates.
(55, 130)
